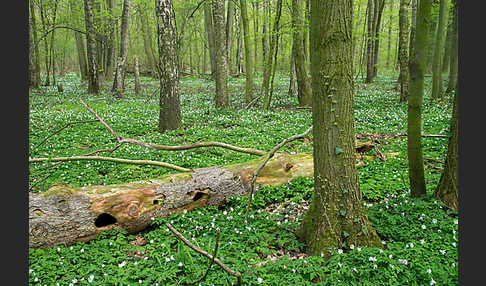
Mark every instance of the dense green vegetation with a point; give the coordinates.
(420, 236)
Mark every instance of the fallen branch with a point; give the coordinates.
(215, 252)
(426, 135)
(111, 159)
(199, 250)
(123, 140)
(268, 156)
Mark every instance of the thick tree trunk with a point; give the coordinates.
(248, 58)
(438, 50)
(221, 60)
(403, 50)
(370, 42)
(413, 28)
(291, 91)
(93, 82)
(170, 112)
(119, 86)
(448, 188)
(379, 5)
(336, 217)
(415, 98)
(303, 85)
(66, 215)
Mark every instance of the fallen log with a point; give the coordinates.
(66, 215)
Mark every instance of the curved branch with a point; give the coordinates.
(111, 159)
(98, 37)
(181, 34)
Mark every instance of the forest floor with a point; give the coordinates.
(419, 235)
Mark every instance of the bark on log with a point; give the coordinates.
(66, 215)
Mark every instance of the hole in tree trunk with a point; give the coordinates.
(104, 219)
(198, 196)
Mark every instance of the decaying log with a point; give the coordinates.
(66, 215)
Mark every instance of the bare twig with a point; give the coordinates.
(265, 160)
(69, 124)
(215, 252)
(434, 160)
(118, 160)
(199, 250)
(104, 150)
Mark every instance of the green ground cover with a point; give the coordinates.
(420, 235)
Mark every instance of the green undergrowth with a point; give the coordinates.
(420, 235)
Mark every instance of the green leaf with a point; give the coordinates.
(342, 212)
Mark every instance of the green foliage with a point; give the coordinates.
(265, 248)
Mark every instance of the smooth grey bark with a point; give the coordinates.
(230, 7)
(137, 75)
(404, 77)
(208, 25)
(170, 117)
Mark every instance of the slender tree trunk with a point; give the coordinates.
(271, 55)
(390, 24)
(93, 82)
(438, 50)
(170, 117)
(137, 75)
(221, 59)
(52, 60)
(208, 24)
(239, 41)
(291, 91)
(110, 46)
(379, 5)
(47, 81)
(413, 28)
(451, 85)
(448, 188)
(370, 42)
(415, 98)
(99, 45)
(357, 18)
(265, 36)
(255, 33)
(119, 86)
(403, 50)
(447, 47)
(248, 58)
(336, 217)
(229, 31)
(304, 93)
(306, 39)
(34, 77)
(147, 41)
(83, 68)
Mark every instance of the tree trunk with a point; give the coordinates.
(170, 117)
(270, 56)
(34, 79)
(208, 25)
(447, 46)
(451, 85)
(137, 75)
(248, 57)
(93, 83)
(34, 39)
(110, 46)
(147, 41)
(402, 50)
(66, 215)
(389, 35)
(47, 81)
(438, 50)
(291, 91)
(448, 188)
(221, 59)
(119, 86)
(229, 32)
(336, 217)
(304, 93)
(255, 36)
(370, 42)
(413, 28)
(379, 5)
(415, 98)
